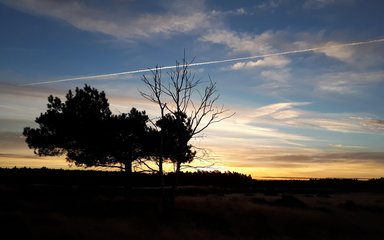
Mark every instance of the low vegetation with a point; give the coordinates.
(63, 204)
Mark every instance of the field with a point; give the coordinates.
(94, 211)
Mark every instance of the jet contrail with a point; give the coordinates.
(94, 77)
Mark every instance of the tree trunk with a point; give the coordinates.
(177, 173)
(128, 175)
(161, 174)
(173, 191)
(161, 160)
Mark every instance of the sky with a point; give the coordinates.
(305, 78)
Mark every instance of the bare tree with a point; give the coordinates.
(155, 95)
(189, 102)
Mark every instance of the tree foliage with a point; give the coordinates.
(177, 132)
(84, 129)
(128, 134)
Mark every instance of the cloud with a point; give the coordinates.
(352, 55)
(261, 44)
(122, 21)
(347, 82)
(21, 103)
(246, 132)
(301, 4)
(289, 114)
(277, 51)
(266, 157)
(374, 124)
(336, 123)
(241, 42)
(359, 54)
(313, 4)
(275, 70)
(271, 4)
(278, 76)
(237, 12)
(333, 157)
(285, 43)
(18, 156)
(277, 108)
(274, 61)
(342, 53)
(342, 147)
(330, 122)
(11, 140)
(252, 151)
(11, 129)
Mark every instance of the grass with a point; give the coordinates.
(57, 212)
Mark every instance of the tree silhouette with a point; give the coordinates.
(177, 132)
(84, 129)
(187, 107)
(128, 137)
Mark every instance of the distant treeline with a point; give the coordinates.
(91, 177)
(229, 180)
(321, 185)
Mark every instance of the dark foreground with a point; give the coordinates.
(38, 210)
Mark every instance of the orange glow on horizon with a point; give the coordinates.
(258, 171)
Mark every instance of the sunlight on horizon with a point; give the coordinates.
(258, 171)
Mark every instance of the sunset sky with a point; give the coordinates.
(309, 103)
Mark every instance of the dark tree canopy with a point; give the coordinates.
(177, 132)
(84, 129)
(127, 138)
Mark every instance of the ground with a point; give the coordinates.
(43, 211)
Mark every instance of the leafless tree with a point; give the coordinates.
(188, 99)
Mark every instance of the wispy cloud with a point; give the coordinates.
(278, 109)
(270, 42)
(302, 4)
(278, 76)
(274, 68)
(342, 53)
(274, 61)
(351, 54)
(374, 124)
(347, 82)
(313, 4)
(288, 114)
(20, 103)
(271, 4)
(122, 21)
(343, 157)
(263, 157)
(236, 12)
(325, 164)
(242, 42)
(246, 130)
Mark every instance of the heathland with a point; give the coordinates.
(58, 204)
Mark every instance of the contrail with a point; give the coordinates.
(101, 76)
